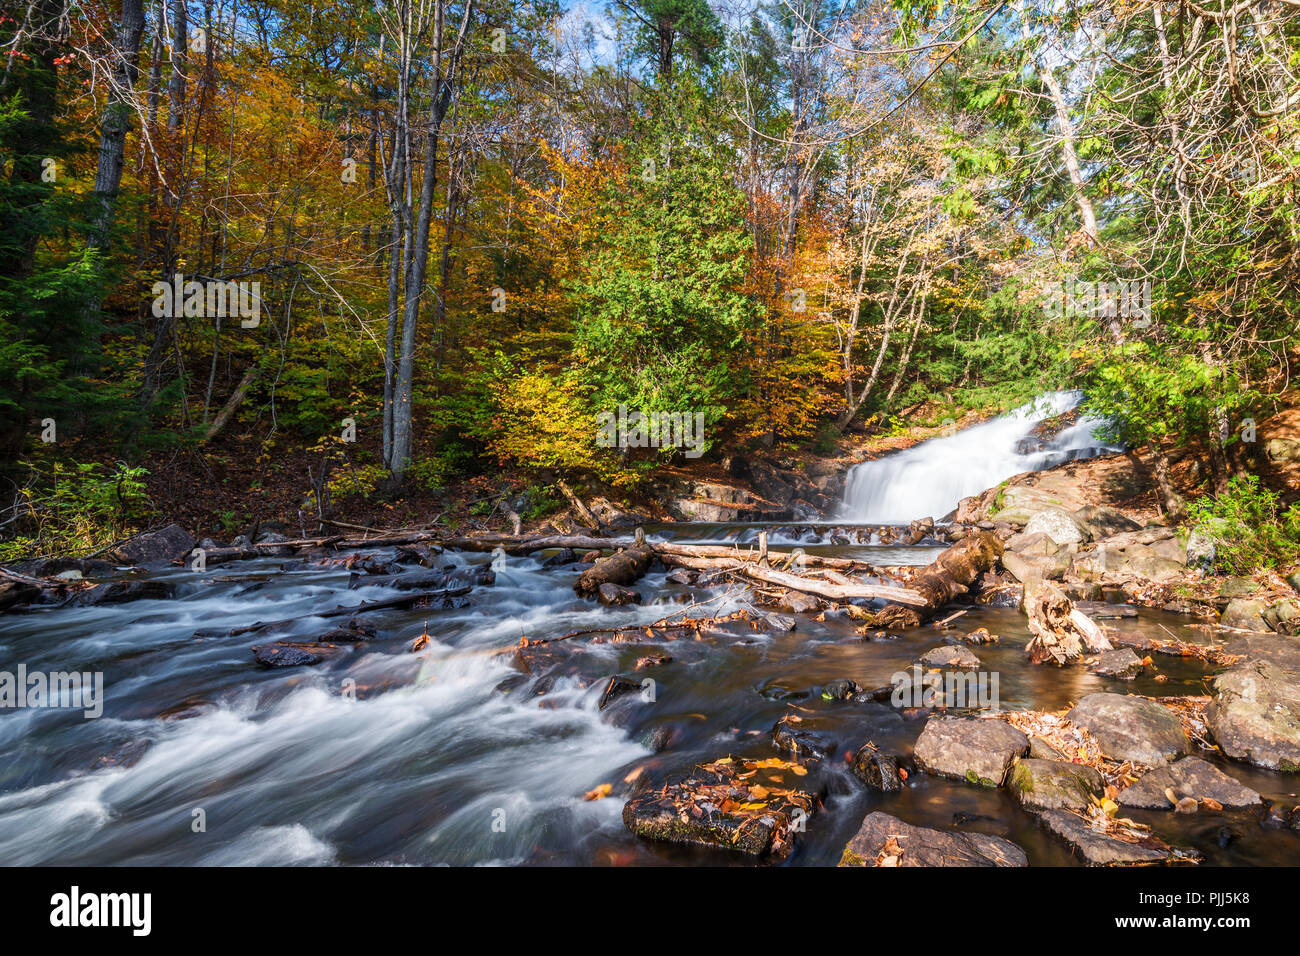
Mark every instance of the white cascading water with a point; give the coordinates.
(927, 480)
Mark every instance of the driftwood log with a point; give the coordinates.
(957, 567)
(1061, 631)
(621, 568)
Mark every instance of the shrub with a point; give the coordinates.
(1248, 527)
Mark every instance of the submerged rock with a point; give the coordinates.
(120, 592)
(884, 840)
(617, 687)
(1255, 715)
(1189, 777)
(1131, 728)
(1054, 784)
(952, 655)
(1122, 664)
(972, 749)
(615, 595)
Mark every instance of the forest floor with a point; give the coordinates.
(234, 487)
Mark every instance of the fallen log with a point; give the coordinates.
(1061, 631)
(624, 567)
(957, 567)
(833, 591)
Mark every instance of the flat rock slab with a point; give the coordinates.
(714, 807)
(978, 751)
(1054, 784)
(883, 840)
(1096, 848)
(1255, 715)
(1131, 728)
(1121, 664)
(1188, 777)
(953, 655)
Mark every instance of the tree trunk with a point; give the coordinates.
(621, 568)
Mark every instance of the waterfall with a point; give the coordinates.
(927, 480)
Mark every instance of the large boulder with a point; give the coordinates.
(977, 750)
(156, 547)
(1057, 524)
(1102, 521)
(1188, 777)
(1255, 715)
(1054, 784)
(883, 840)
(1246, 614)
(1131, 728)
(1283, 616)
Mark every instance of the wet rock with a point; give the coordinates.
(589, 557)
(1188, 777)
(1255, 715)
(1131, 728)
(1097, 848)
(354, 630)
(978, 751)
(120, 592)
(797, 602)
(771, 690)
(978, 637)
(58, 567)
(156, 547)
(1122, 664)
(789, 735)
(952, 655)
(884, 840)
(1246, 614)
(877, 770)
(681, 576)
(652, 660)
(780, 622)
(841, 689)
(1054, 784)
(615, 595)
(1058, 525)
(758, 816)
(561, 557)
(619, 686)
(291, 653)
(16, 593)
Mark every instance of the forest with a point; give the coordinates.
(468, 229)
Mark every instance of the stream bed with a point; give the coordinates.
(452, 755)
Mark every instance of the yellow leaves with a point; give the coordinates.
(598, 793)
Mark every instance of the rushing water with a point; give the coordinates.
(927, 480)
(452, 755)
